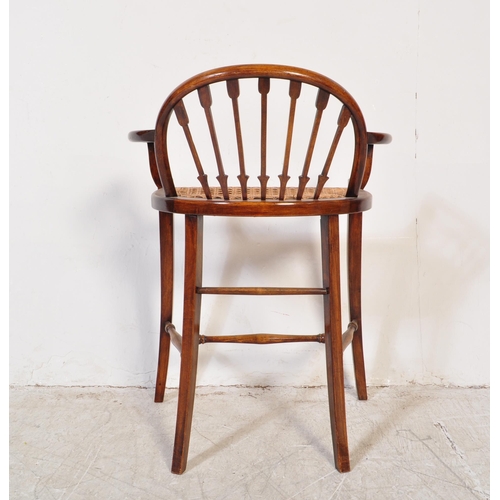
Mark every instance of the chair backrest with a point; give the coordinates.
(264, 77)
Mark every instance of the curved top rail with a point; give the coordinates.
(259, 71)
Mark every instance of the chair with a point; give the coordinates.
(285, 199)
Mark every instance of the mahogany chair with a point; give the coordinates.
(285, 199)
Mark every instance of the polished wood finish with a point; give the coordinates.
(190, 340)
(175, 336)
(233, 91)
(142, 136)
(294, 94)
(321, 103)
(378, 138)
(354, 248)
(183, 119)
(348, 335)
(153, 167)
(166, 226)
(330, 253)
(341, 124)
(264, 87)
(264, 338)
(256, 208)
(261, 291)
(290, 198)
(261, 338)
(206, 102)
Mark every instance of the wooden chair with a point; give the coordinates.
(285, 199)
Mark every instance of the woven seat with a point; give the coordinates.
(303, 191)
(254, 193)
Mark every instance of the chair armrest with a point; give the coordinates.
(142, 136)
(373, 138)
(379, 138)
(148, 136)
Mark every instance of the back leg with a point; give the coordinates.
(354, 245)
(166, 299)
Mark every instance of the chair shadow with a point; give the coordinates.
(246, 259)
(164, 436)
(452, 250)
(126, 259)
(281, 409)
(234, 437)
(376, 434)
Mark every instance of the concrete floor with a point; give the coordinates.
(249, 443)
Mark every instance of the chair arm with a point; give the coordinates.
(379, 138)
(148, 136)
(373, 138)
(142, 136)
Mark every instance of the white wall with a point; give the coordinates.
(84, 249)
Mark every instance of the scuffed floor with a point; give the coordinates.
(249, 443)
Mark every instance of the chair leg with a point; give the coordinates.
(333, 339)
(190, 340)
(354, 279)
(166, 299)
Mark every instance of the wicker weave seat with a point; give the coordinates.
(254, 193)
